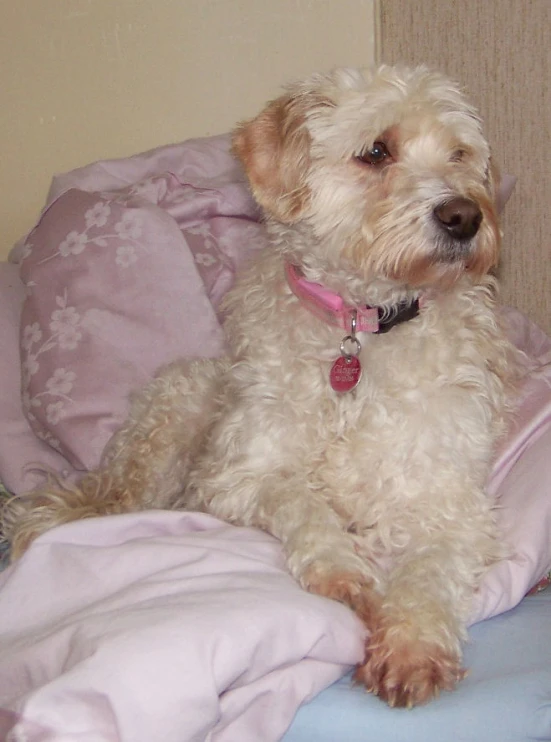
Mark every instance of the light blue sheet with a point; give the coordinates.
(506, 696)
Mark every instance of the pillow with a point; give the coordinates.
(96, 322)
(20, 449)
(124, 272)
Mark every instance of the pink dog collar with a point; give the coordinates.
(331, 308)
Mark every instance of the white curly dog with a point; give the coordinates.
(366, 383)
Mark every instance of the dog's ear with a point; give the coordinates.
(274, 149)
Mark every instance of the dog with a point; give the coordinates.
(367, 380)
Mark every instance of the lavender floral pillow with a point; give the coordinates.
(118, 283)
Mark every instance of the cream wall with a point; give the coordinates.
(82, 80)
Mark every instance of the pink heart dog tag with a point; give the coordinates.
(345, 373)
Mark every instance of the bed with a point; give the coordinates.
(175, 626)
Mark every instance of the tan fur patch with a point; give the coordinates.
(274, 150)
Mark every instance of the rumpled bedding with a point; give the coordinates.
(175, 626)
(163, 626)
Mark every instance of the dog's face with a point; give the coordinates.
(382, 177)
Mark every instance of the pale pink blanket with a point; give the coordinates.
(173, 626)
(162, 626)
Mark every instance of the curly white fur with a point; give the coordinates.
(377, 494)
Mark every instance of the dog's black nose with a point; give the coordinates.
(460, 217)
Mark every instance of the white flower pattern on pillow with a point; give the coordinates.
(31, 334)
(202, 229)
(128, 227)
(97, 216)
(207, 241)
(73, 244)
(126, 255)
(65, 324)
(65, 333)
(61, 382)
(203, 258)
(29, 368)
(54, 412)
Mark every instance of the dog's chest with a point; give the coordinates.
(422, 402)
(409, 412)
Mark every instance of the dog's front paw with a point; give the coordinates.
(406, 672)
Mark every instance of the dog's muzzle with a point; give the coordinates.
(459, 218)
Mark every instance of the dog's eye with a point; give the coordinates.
(376, 155)
(458, 156)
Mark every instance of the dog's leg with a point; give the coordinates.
(414, 650)
(144, 464)
(320, 553)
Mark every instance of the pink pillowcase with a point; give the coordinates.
(122, 281)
